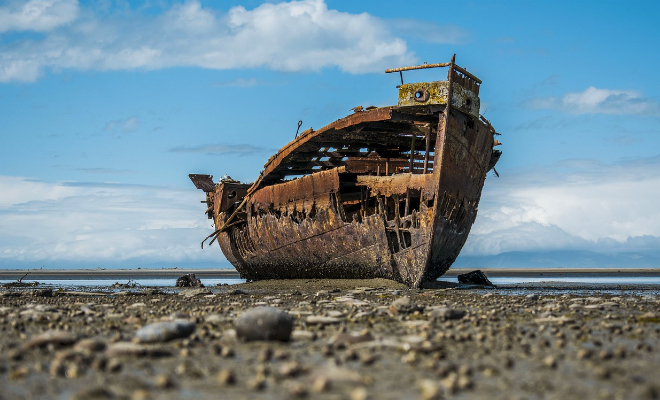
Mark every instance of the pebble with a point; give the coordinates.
(226, 377)
(52, 337)
(264, 323)
(446, 313)
(322, 320)
(320, 384)
(129, 349)
(429, 390)
(89, 346)
(290, 369)
(96, 393)
(165, 331)
(214, 319)
(164, 382)
(258, 382)
(550, 362)
(298, 389)
(195, 292)
(404, 305)
(359, 393)
(298, 334)
(347, 339)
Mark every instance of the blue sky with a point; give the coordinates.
(106, 106)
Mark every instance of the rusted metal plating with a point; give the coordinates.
(387, 192)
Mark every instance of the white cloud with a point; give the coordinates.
(16, 190)
(127, 125)
(599, 101)
(49, 222)
(37, 15)
(291, 36)
(576, 205)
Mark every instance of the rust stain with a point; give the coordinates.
(385, 192)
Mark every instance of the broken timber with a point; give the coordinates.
(387, 192)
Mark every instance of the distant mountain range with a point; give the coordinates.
(559, 259)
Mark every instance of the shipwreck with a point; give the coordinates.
(386, 192)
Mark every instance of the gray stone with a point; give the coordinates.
(264, 323)
(447, 313)
(128, 349)
(195, 292)
(474, 278)
(54, 337)
(404, 306)
(165, 331)
(322, 320)
(189, 280)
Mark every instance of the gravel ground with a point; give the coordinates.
(348, 339)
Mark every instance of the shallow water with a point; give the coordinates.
(151, 282)
(607, 280)
(209, 282)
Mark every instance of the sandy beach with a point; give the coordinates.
(348, 339)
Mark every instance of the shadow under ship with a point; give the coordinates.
(387, 192)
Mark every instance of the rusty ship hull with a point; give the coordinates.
(388, 192)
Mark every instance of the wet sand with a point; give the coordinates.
(352, 339)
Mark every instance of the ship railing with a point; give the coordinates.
(456, 74)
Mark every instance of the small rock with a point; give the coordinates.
(320, 384)
(128, 349)
(48, 292)
(404, 305)
(303, 335)
(258, 382)
(584, 354)
(605, 354)
(165, 331)
(189, 280)
(125, 349)
(346, 339)
(195, 292)
(297, 389)
(98, 393)
(265, 354)
(359, 393)
(430, 390)
(474, 278)
(445, 313)
(321, 320)
(264, 323)
(226, 377)
(53, 337)
(290, 369)
(550, 362)
(164, 382)
(227, 352)
(214, 319)
(89, 346)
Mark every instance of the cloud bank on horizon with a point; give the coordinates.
(603, 208)
(597, 190)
